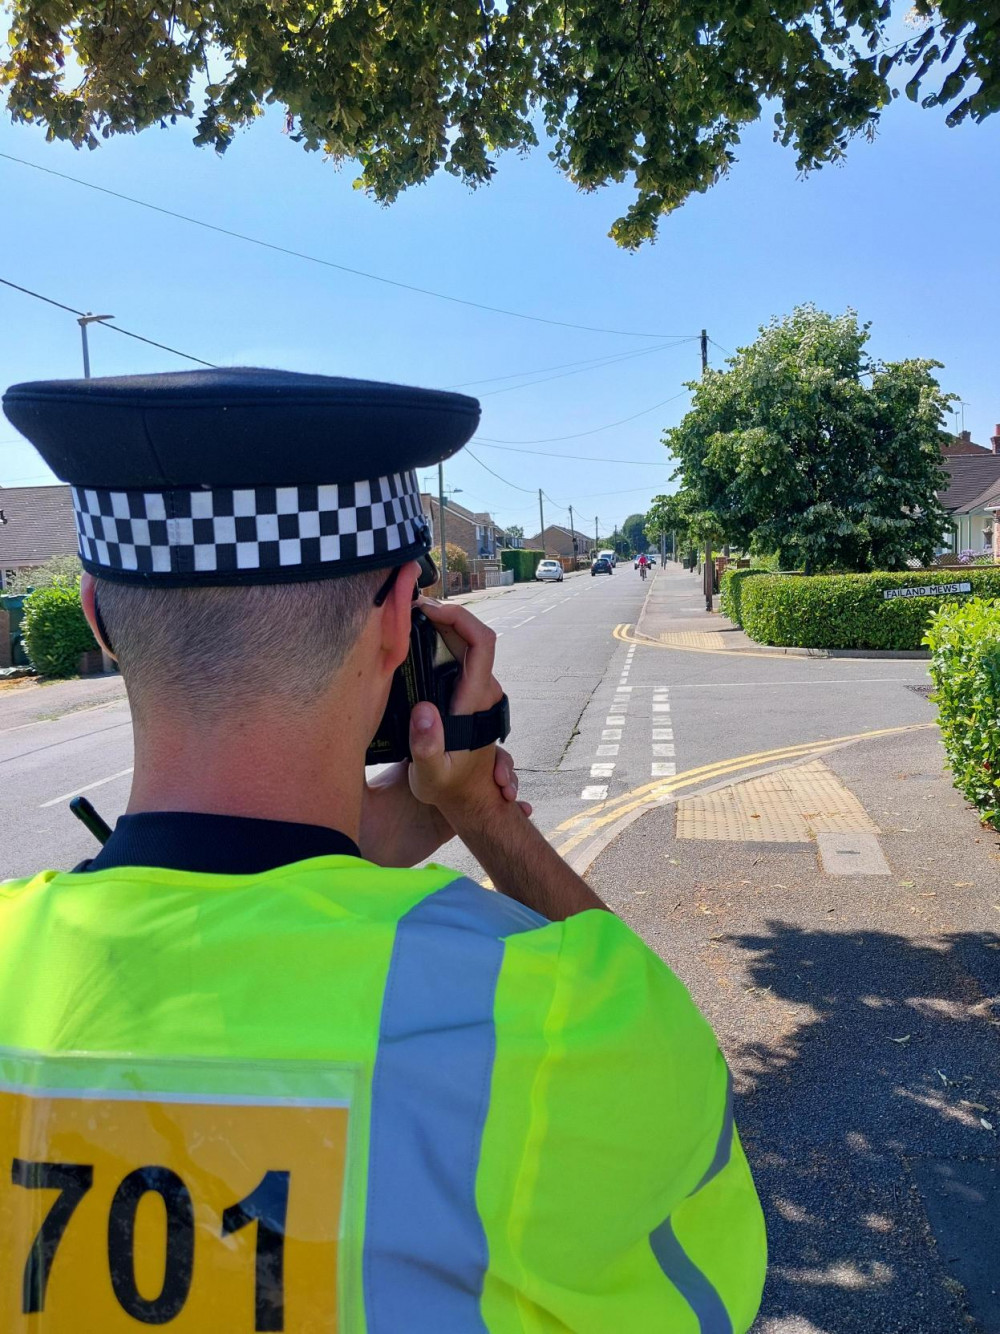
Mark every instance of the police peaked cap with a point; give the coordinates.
(237, 476)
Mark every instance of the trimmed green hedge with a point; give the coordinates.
(522, 560)
(964, 640)
(731, 591)
(848, 610)
(55, 630)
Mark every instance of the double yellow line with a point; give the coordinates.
(587, 823)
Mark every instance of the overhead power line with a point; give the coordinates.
(594, 363)
(576, 458)
(140, 338)
(528, 490)
(594, 366)
(329, 263)
(576, 435)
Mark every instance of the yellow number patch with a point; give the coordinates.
(211, 1214)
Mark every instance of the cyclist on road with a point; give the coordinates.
(643, 565)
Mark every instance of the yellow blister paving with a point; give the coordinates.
(787, 806)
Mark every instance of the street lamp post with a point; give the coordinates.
(83, 321)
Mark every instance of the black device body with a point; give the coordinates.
(430, 672)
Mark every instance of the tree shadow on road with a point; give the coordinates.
(882, 1063)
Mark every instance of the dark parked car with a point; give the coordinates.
(601, 566)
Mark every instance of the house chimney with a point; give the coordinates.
(967, 436)
(995, 440)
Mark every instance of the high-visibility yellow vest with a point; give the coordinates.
(334, 1096)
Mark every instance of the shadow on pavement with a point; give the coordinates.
(864, 1123)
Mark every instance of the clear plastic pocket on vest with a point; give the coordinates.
(204, 1195)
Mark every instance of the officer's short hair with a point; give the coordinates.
(204, 650)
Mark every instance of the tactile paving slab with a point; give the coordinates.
(694, 639)
(787, 806)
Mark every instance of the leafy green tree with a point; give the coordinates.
(514, 530)
(625, 89)
(633, 531)
(807, 449)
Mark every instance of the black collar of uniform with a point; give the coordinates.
(215, 844)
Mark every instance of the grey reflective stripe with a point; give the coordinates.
(425, 1251)
(724, 1144)
(690, 1282)
(683, 1273)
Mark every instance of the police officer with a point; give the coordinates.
(252, 1077)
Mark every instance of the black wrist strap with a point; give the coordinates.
(472, 731)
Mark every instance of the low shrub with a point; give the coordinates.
(848, 611)
(458, 561)
(55, 630)
(522, 560)
(964, 640)
(731, 591)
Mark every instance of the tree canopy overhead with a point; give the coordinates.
(656, 92)
(808, 449)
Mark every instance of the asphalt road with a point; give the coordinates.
(592, 717)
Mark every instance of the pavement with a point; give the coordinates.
(782, 831)
(859, 1011)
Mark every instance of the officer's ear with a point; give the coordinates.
(88, 597)
(395, 609)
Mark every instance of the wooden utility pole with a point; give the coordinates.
(572, 533)
(541, 519)
(444, 549)
(708, 571)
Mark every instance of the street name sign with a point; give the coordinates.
(927, 590)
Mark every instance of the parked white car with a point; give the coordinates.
(549, 569)
(610, 556)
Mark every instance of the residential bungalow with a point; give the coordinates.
(36, 523)
(560, 541)
(971, 496)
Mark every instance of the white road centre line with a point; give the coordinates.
(608, 750)
(86, 788)
(545, 609)
(594, 792)
(663, 734)
(625, 687)
(661, 708)
(664, 749)
(601, 770)
(611, 734)
(614, 720)
(662, 769)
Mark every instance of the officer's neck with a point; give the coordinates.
(306, 767)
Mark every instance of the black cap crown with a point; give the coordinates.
(241, 475)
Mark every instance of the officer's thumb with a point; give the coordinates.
(426, 733)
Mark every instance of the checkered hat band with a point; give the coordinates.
(263, 528)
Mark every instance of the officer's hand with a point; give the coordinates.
(399, 830)
(455, 780)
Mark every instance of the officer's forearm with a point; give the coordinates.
(520, 861)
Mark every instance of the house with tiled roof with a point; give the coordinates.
(36, 523)
(972, 495)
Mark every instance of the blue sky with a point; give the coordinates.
(905, 233)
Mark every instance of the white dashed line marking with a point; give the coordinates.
(664, 749)
(661, 708)
(614, 720)
(601, 770)
(611, 734)
(663, 734)
(607, 750)
(662, 769)
(595, 792)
